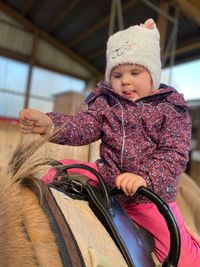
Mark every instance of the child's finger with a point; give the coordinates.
(126, 185)
(130, 187)
(118, 181)
(121, 184)
(26, 122)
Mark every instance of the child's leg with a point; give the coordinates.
(148, 216)
(193, 234)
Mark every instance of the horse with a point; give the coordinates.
(29, 238)
(188, 202)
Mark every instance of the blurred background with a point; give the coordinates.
(52, 53)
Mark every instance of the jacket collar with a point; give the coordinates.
(164, 91)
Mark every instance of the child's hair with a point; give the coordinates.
(136, 45)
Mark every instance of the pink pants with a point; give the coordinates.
(148, 216)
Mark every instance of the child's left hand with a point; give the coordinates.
(129, 183)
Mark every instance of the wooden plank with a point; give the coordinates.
(101, 23)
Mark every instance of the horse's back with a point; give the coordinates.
(96, 245)
(26, 237)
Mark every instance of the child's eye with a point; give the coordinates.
(117, 76)
(135, 72)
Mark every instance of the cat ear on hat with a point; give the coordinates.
(149, 24)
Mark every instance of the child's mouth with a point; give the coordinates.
(129, 93)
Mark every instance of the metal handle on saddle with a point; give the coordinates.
(93, 171)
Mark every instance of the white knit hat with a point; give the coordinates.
(135, 45)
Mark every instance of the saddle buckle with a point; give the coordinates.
(77, 186)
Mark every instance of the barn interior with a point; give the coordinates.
(68, 38)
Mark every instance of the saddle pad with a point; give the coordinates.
(96, 246)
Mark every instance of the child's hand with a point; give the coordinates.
(34, 121)
(129, 183)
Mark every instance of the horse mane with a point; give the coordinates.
(25, 165)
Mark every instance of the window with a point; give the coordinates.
(185, 79)
(13, 77)
(44, 85)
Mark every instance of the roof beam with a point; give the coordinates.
(55, 22)
(14, 55)
(190, 9)
(27, 7)
(96, 54)
(184, 49)
(97, 26)
(33, 28)
(162, 23)
(26, 59)
(158, 10)
(187, 48)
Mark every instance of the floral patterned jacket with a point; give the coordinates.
(149, 137)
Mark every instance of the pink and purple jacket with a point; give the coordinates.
(149, 137)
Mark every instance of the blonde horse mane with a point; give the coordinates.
(26, 237)
(25, 165)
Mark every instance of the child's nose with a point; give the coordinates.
(126, 79)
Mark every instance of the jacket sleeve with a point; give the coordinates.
(162, 169)
(83, 128)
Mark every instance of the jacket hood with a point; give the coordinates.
(103, 88)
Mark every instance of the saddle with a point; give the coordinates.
(134, 243)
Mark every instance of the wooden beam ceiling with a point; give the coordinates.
(14, 55)
(66, 9)
(187, 48)
(190, 9)
(33, 28)
(27, 7)
(98, 25)
(162, 23)
(26, 59)
(96, 54)
(57, 20)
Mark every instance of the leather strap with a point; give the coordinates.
(125, 232)
(68, 248)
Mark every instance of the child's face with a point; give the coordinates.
(131, 81)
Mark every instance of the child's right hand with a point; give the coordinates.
(129, 183)
(34, 121)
